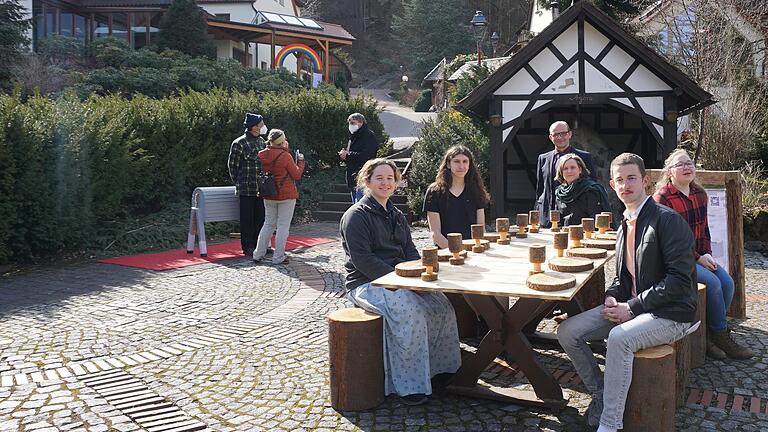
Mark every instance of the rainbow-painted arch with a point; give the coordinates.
(309, 53)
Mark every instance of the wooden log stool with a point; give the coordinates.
(682, 349)
(650, 402)
(699, 337)
(356, 353)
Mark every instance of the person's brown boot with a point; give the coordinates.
(713, 351)
(725, 342)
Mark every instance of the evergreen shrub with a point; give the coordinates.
(423, 102)
(449, 129)
(69, 167)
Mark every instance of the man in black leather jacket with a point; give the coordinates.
(652, 300)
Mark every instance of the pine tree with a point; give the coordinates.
(184, 29)
(13, 35)
(429, 30)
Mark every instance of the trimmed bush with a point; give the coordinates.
(423, 102)
(449, 129)
(68, 168)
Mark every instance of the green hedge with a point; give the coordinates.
(435, 137)
(67, 167)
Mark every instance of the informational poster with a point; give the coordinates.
(717, 216)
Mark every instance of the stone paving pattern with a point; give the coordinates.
(243, 347)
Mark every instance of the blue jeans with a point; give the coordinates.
(719, 295)
(357, 194)
(643, 331)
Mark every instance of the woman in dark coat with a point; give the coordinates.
(578, 195)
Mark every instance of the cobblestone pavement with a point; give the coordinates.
(232, 346)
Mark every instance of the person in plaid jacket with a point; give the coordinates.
(678, 190)
(244, 167)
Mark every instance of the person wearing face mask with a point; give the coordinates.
(277, 159)
(362, 146)
(244, 165)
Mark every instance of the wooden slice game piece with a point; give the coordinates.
(410, 268)
(469, 243)
(590, 253)
(589, 227)
(599, 244)
(456, 261)
(429, 277)
(571, 264)
(492, 237)
(606, 236)
(554, 216)
(445, 254)
(550, 281)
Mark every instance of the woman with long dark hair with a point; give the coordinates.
(457, 199)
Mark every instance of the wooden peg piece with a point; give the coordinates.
(537, 255)
(576, 234)
(533, 219)
(589, 227)
(522, 225)
(603, 222)
(560, 242)
(554, 216)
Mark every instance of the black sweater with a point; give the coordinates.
(374, 241)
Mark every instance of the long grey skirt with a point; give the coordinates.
(420, 336)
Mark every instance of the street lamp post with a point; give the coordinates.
(479, 24)
(495, 42)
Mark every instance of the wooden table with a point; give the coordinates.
(502, 271)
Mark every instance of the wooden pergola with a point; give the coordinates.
(321, 40)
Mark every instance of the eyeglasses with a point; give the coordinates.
(559, 134)
(686, 164)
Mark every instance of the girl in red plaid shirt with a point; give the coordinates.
(678, 190)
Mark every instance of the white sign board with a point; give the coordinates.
(717, 217)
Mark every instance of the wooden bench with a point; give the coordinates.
(356, 354)
(210, 204)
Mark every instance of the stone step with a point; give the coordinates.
(345, 197)
(343, 206)
(340, 188)
(330, 216)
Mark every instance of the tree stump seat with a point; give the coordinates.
(356, 354)
(650, 402)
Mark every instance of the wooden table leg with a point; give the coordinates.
(505, 332)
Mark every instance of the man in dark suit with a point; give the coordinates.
(652, 300)
(546, 168)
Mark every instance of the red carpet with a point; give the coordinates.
(180, 258)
